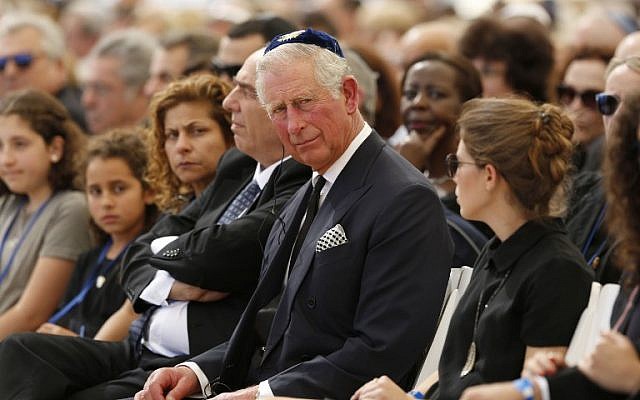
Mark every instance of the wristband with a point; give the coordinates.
(416, 394)
(525, 387)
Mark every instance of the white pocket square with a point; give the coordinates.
(332, 238)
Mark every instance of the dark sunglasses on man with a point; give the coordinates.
(607, 103)
(21, 60)
(221, 69)
(566, 95)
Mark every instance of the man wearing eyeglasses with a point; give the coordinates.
(32, 49)
(587, 205)
(623, 78)
(181, 53)
(583, 79)
(245, 38)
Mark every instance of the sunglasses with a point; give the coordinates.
(452, 163)
(21, 60)
(607, 103)
(225, 69)
(566, 94)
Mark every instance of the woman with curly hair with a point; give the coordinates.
(189, 132)
(44, 222)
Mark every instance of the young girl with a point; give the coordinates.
(44, 224)
(120, 204)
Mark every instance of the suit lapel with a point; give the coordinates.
(351, 185)
(229, 188)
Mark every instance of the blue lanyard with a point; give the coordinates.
(24, 235)
(592, 234)
(91, 280)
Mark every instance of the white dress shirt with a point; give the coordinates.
(331, 175)
(168, 332)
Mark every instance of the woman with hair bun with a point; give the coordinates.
(530, 283)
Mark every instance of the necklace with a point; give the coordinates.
(471, 353)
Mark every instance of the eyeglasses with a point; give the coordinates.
(566, 95)
(21, 60)
(452, 163)
(225, 69)
(607, 103)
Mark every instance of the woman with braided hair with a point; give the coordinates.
(612, 370)
(530, 283)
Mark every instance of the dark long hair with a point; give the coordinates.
(622, 179)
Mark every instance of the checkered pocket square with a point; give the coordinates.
(332, 238)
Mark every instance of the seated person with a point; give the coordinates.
(44, 220)
(217, 252)
(121, 207)
(530, 283)
(612, 371)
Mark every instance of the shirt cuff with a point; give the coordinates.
(205, 386)
(157, 291)
(264, 390)
(160, 243)
(543, 386)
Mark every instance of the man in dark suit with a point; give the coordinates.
(216, 255)
(361, 281)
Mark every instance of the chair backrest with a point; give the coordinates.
(594, 319)
(465, 277)
(452, 284)
(432, 359)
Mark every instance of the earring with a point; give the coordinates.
(55, 158)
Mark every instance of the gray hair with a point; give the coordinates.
(367, 80)
(201, 46)
(632, 62)
(329, 69)
(51, 36)
(94, 19)
(133, 48)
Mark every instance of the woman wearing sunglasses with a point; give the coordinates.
(530, 283)
(583, 79)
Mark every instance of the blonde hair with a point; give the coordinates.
(529, 145)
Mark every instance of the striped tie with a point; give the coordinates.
(241, 203)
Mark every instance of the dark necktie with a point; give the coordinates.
(265, 315)
(312, 209)
(138, 330)
(240, 203)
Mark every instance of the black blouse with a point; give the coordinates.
(100, 302)
(538, 305)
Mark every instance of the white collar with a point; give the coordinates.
(262, 176)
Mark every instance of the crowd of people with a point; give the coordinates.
(265, 199)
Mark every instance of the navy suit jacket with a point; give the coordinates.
(354, 311)
(217, 257)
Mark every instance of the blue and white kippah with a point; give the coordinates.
(307, 36)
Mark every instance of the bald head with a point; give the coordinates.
(629, 46)
(426, 37)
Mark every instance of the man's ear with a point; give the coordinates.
(351, 93)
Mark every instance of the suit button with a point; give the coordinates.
(311, 303)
